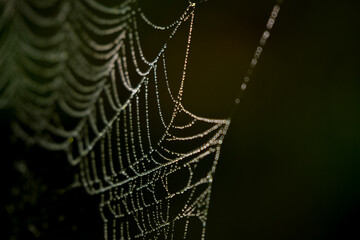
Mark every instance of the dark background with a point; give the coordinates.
(289, 167)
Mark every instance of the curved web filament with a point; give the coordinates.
(81, 83)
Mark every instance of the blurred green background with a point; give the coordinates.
(290, 166)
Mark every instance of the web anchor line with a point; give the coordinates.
(80, 82)
(254, 61)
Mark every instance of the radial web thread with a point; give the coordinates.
(77, 76)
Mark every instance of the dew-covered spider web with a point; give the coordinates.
(78, 78)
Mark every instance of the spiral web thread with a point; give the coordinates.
(77, 76)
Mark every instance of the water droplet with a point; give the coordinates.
(243, 86)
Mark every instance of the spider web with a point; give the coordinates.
(76, 73)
